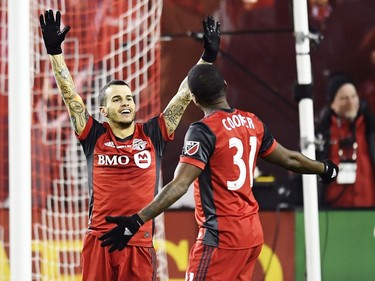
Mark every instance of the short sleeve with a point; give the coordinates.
(199, 145)
(268, 142)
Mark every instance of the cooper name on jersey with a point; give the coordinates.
(237, 120)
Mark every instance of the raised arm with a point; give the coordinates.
(53, 37)
(74, 103)
(176, 107)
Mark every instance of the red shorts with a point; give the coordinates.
(207, 263)
(131, 264)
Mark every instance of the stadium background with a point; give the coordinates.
(258, 61)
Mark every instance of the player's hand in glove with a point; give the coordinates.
(120, 235)
(52, 35)
(211, 39)
(330, 172)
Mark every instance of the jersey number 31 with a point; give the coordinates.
(239, 161)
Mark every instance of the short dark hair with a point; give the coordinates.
(206, 82)
(102, 94)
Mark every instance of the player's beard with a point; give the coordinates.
(124, 124)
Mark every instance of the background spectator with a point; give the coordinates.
(346, 128)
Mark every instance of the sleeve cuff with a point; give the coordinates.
(197, 163)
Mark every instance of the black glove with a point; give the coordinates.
(330, 172)
(120, 235)
(211, 39)
(52, 35)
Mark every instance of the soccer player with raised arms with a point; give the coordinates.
(123, 157)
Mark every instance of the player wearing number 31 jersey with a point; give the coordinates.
(219, 155)
(225, 146)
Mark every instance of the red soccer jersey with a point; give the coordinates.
(225, 145)
(123, 173)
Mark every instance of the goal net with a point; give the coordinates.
(109, 39)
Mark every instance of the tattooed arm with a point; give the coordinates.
(74, 103)
(53, 37)
(177, 105)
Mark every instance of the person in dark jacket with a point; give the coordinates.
(345, 130)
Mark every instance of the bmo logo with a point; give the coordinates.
(112, 160)
(141, 159)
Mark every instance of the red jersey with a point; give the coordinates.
(225, 145)
(123, 173)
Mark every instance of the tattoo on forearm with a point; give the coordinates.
(173, 114)
(174, 111)
(87, 115)
(76, 107)
(185, 97)
(77, 110)
(79, 118)
(63, 78)
(67, 92)
(74, 122)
